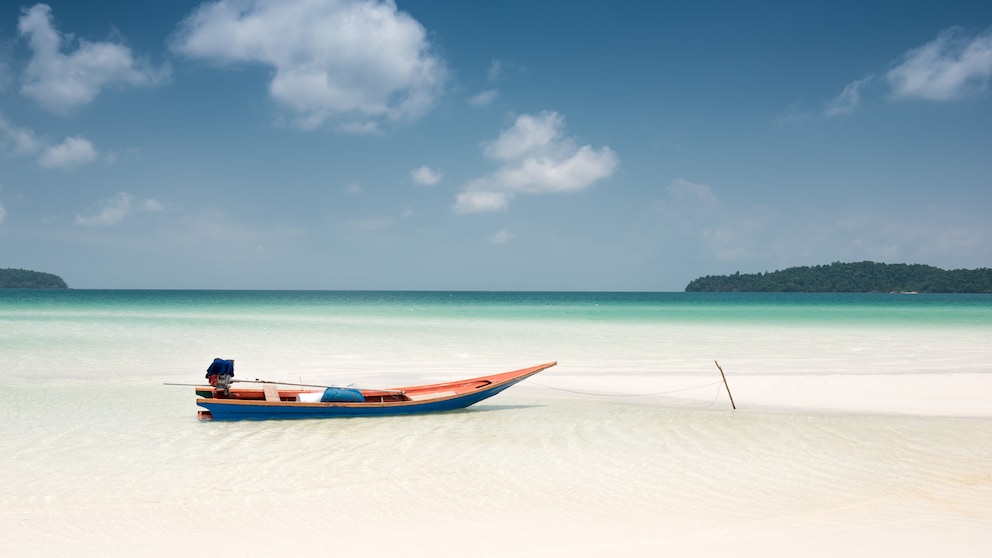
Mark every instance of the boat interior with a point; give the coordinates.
(273, 393)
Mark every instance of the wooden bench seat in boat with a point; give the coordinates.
(271, 392)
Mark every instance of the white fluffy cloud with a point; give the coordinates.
(73, 151)
(537, 158)
(355, 63)
(529, 134)
(426, 176)
(950, 66)
(114, 209)
(22, 142)
(61, 82)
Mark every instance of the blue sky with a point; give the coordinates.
(333, 144)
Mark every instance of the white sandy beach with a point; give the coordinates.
(811, 465)
(925, 395)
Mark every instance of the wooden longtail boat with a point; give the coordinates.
(274, 402)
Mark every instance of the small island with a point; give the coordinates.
(25, 279)
(861, 277)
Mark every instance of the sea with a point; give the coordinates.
(860, 425)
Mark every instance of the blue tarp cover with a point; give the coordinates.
(342, 395)
(220, 366)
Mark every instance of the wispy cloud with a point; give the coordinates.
(6, 74)
(61, 82)
(536, 158)
(495, 72)
(767, 237)
(684, 193)
(501, 237)
(214, 235)
(426, 176)
(72, 152)
(793, 115)
(353, 63)
(484, 98)
(368, 224)
(843, 104)
(952, 66)
(17, 140)
(152, 205)
(499, 68)
(481, 201)
(848, 99)
(114, 209)
(495, 69)
(3, 213)
(949, 67)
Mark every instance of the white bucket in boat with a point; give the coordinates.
(310, 396)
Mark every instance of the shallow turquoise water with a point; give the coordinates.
(389, 335)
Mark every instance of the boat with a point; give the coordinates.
(222, 401)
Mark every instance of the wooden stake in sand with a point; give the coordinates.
(722, 375)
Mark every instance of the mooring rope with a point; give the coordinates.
(625, 394)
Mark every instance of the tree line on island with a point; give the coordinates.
(862, 277)
(25, 279)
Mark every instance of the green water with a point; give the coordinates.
(757, 308)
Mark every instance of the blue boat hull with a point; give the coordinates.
(234, 409)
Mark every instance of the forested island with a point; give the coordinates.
(25, 279)
(862, 277)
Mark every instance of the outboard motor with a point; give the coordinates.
(219, 375)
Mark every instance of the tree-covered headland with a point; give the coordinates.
(862, 277)
(25, 279)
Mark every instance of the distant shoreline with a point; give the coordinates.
(862, 277)
(26, 279)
